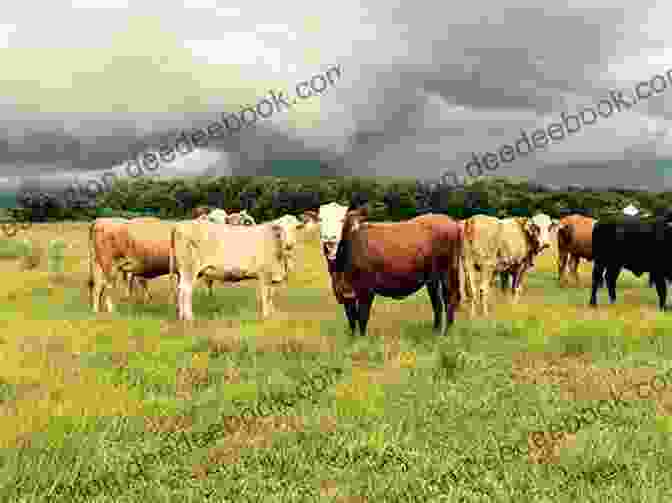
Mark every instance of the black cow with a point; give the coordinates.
(639, 245)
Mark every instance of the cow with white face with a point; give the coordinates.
(331, 217)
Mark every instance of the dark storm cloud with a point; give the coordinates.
(427, 85)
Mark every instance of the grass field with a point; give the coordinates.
(413, 417)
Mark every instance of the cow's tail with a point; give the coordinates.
(92, 258)
(92, 253)
(172, 262)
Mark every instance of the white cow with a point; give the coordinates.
(291, 225)
(228, 253)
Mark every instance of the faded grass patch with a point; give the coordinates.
(580, 380)
(258, 433)
(168, 424)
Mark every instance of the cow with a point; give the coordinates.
(395, 260)
(547, 231)
(228, 253)
(575, 242)
(311, 219)
(219, 216)
(493, 246)
(137, 249)
(291, 226)
(638, 245)
(331, 217)
(199, 212)
(242, 218)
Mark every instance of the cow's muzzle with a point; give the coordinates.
(330, 250)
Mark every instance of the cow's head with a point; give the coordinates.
(310, 219)
(331, 217)
(291, 226)
(541, 226)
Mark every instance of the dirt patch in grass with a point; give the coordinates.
(168, 424)
(579, 379)
(258, 433)
(333, 490)
(188, 380)
(294, 343)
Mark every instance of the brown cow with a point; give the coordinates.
(199, 212)
(396, 260)
(140, 246)
(575, 242)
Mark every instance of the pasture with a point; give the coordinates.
(412, 418)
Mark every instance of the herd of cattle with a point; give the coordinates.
(455, 260)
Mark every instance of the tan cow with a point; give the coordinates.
(575, 242)
(547, 232)
(493, 246)
(227, 253)
(139, 248)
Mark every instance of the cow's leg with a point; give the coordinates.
(574, 266)
(504, 281)
(450, 295)
(350, 308)
(265, 296)
(518, 276)
(563, 256)
(661, 288)
(364, 303)
(611, 276)
(185, 290)
(270, 296)
(146, 293)
(598, 273)
(485, 274)
(209, 282)
(433, 289)
(95, 286)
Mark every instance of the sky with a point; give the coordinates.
(423, 85)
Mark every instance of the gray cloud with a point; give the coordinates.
(422, 89)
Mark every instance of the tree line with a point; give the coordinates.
(269, 197)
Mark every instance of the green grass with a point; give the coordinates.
(414, 415)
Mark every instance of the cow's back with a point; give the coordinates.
(514, 243)
(108, 240)
(390, 246)
(250, 251)
(639, 246)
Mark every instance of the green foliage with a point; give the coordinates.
(268, 197)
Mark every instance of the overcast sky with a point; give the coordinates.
(423, 85)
